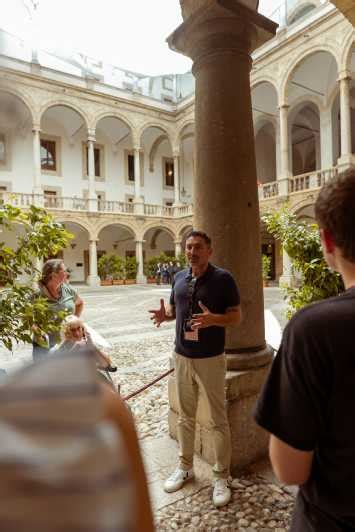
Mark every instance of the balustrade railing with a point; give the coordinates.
(281, 187)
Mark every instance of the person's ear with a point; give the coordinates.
(327, 240)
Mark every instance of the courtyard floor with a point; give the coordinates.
(142, 352)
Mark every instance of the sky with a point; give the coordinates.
(127, 33)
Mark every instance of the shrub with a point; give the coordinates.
(21, 306)
(131, 267)
(302, 243)
(266, 266)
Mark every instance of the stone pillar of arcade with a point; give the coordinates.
(219, 36)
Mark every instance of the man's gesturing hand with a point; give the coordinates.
(158, 315)
(203, 320)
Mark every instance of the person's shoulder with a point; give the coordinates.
(67, 288)
(317, 315)
(181, 274)
(221, 273)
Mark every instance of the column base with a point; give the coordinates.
(141, 279)
(249, 441)
(93, 280)
(138, 205)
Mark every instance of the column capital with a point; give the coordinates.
(237, 29)
(283, 105)
(176, 153)
(36, 128)
(93, 240)
(91, 135)
(344, 75)
(137, 147)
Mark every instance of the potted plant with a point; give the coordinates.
(131, 267)
(118, 275)
(266, 267)
(105, 269)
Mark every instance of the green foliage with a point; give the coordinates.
(302, 243)
(150, 265)
(131, 267)
(266, 266)
(21, 307)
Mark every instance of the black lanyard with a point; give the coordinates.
(191, 292)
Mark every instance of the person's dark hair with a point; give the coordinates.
(49, 267)
(200, 234)
(334, 210)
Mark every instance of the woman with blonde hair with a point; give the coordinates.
(76, 337)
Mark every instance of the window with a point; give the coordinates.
(130, 167)
(48, 155)
(168, 167)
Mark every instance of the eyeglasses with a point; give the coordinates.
(78, 328)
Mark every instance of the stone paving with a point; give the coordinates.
(142, 352)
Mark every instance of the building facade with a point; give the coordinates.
(110, 152)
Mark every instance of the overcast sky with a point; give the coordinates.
(127, 33)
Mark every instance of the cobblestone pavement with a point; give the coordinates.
(142, 352)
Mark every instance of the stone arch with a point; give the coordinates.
(297, 60)
(25, 99)
(78, 221)
(156, 125)
(153, 233)
(179, 133)
(302, 101)
(107, 223)
(154, 149)
(345, 58)
(112, 114)
(64, 103)
(183, 230)
(156, 225)
(303, 204)
(261, 121)
(265, 78)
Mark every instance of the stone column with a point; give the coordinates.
(287, 274)
(93, 278)
(91, 173)
(326, 139)
(220, 37)
(345, 120)
(141, 278)
(284, 151)
(37, 172)
(138, 202)
(176, 180)
(177, 244)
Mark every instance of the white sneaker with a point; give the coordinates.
(177, 479)
(221, 492)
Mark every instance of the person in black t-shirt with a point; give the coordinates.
(308, 400)
(204, 300)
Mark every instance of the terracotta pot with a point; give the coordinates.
(106, 282)
(118, 281)
(130, 281)
(151, 280)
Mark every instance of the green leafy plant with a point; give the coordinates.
(118, 267)
(106, 266)
(131, 267)
(266, 266)
(21, 306)
(302, 243)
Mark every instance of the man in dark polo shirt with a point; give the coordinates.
(308, 401)
(204, 300)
